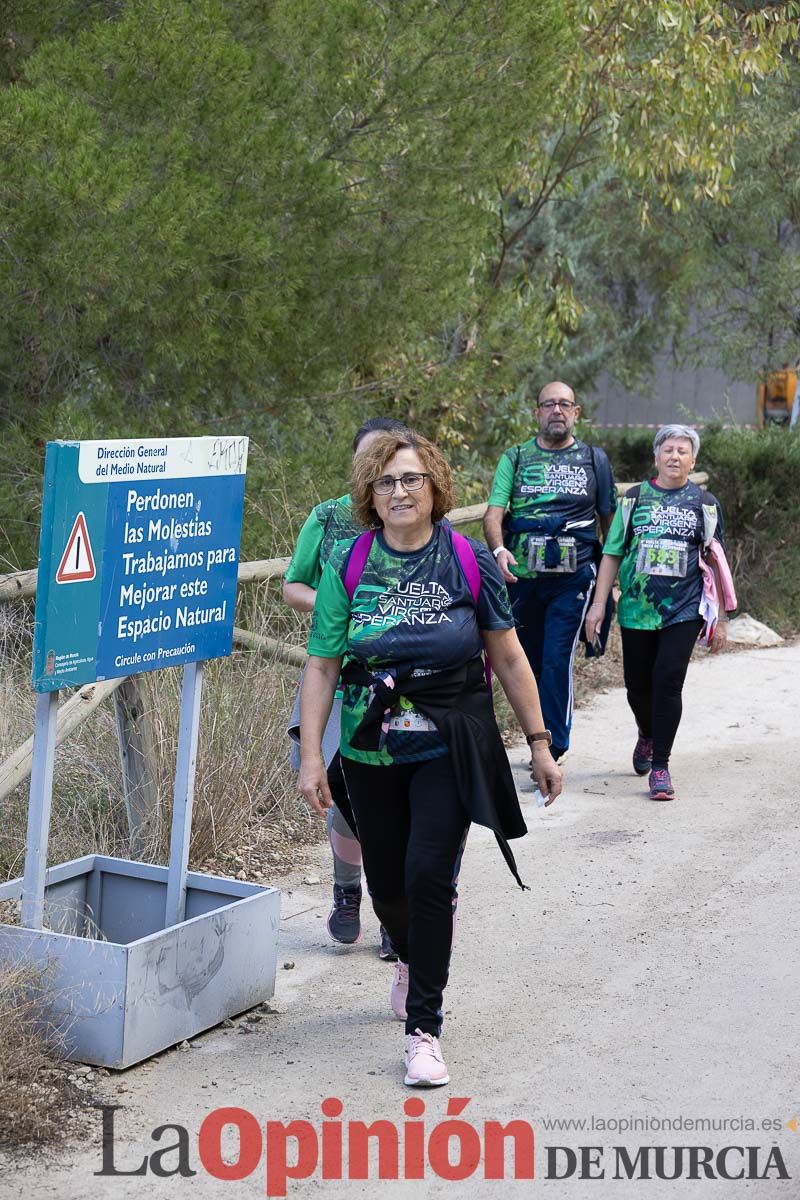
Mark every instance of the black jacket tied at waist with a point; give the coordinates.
(459, 704)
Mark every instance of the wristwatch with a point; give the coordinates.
(497, 550)
(543, 735)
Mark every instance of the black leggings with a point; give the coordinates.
(655, 663)
(412, 828)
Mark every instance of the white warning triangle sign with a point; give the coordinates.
(77, 561)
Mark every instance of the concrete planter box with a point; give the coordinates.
(124, 986)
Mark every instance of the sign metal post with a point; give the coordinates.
(41, 796)
(185, 766)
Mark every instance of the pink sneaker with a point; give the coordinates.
(425, 1066)
(661, 785)
(399, 990)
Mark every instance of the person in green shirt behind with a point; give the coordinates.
(655, 542)
(328, 523)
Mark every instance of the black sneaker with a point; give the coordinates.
(344, 923)
(386, 951)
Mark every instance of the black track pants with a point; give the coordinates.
(655, 663)
(412, 828)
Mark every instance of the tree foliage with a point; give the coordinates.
(745, 278)
(207, 201)
(294, 215)
(590, 263)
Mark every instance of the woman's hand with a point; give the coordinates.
(312, 783)
(545, 772)
(607, 573)
(720, 639)
(594, 619)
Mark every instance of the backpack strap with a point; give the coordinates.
(507, 513)
(627, 507)
(710, 518)
(472, 573)
(468, 563)
(359, 553)
(328, 518)
(356, 561)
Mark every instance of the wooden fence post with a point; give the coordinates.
(137, 759)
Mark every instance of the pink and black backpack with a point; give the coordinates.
(359, 553)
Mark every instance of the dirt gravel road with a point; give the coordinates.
(651, 973)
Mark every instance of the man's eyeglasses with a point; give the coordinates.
(412, 481)
(564, 405)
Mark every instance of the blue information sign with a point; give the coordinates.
(138, 556)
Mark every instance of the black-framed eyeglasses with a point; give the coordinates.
(564, 405)
(412, 481)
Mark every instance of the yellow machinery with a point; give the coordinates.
(775, 397)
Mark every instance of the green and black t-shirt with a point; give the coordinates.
(411, 609)
(659, 577)
(568, 486)
(330, 522)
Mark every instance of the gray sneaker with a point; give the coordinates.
(386, 950)
(344, 922)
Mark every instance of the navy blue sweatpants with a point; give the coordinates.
(550, 611)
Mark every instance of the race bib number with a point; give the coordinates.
(411, 722)
(568, 552)
(663, 556)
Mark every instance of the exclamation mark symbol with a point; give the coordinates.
(77, 552)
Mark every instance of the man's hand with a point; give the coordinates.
(545, 773)
(504, 559)
(312, 783)
(720, 639)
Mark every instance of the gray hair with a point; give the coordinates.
(666, 432)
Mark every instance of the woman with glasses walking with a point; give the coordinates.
(404, 613)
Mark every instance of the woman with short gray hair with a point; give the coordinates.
(677, 431)
(661, 530)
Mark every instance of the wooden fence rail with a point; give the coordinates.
(21, 585)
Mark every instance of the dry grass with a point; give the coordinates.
(244, 792)
(244, 786)
(35, 1091)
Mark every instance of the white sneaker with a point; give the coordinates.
(425, 1066)
(399, 991)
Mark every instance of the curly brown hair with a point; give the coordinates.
(370, 464)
